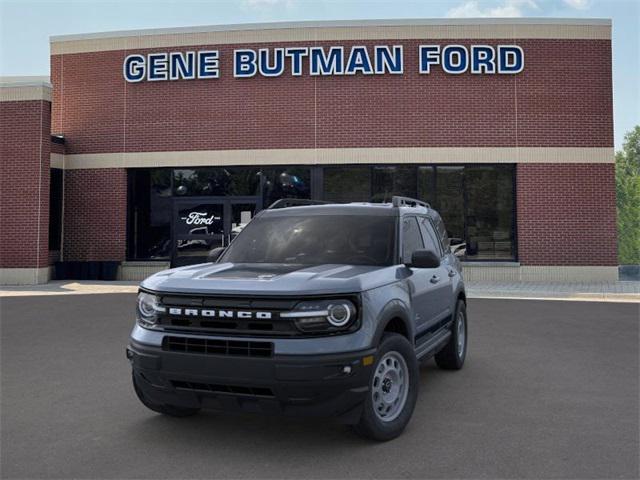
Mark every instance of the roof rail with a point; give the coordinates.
(397, 201)
(295, 202)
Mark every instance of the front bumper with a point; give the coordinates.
(310, 385)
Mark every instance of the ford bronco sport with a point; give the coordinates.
(313, 309)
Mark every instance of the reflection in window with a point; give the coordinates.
(390, 180)
(450, 199)
(285, 182)
(489, 212)
(347, 184)
(427, 184)
(219, 181)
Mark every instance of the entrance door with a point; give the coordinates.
(200, 225)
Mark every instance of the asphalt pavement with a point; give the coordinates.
(550, 390)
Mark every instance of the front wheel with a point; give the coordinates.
(452, 356)
(393, 390)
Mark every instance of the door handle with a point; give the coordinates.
(435, 279)
(452, 273)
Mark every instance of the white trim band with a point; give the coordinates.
(500, 28)
(336, 156)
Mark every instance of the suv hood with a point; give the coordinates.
(266, 279)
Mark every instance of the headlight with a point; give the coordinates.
(323, 315)
(148, 309)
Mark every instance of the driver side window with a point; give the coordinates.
(411, 238)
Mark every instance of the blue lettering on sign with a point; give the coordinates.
(329, 64)
(296, 55)
(455, 59)
(359, 61)
(483, 59)
(208, 64)
(182, 65)
(273, 68)
(429, 55)
(244, 63)
(324, 61)
(510, 59)
(134, 68)
(385, 61)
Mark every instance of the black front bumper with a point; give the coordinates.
(309, 385)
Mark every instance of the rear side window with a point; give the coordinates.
(442, 233)
(411, 238)
(431, 241)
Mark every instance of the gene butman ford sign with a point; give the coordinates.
(327, 61)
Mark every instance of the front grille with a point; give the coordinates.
(214, 388)
(273, 327)
(208, 346)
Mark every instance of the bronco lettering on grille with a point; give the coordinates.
(195, 312)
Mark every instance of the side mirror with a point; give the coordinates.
(214, 254)
(455, 241)
(424, 259)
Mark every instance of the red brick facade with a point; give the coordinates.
(562, 98)
(566, 214)
(95, 214)
(24, 183)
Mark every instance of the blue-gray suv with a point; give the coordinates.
(313, 309)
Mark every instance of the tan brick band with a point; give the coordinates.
(25, 93)
(591, 29)
(337, 156)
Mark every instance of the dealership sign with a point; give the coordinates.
(324, 61)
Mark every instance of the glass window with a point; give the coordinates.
(489, 212)
(411, 238)
(431, 241)
(316, 240)
(55, 208)
(450, 198)
(219, 181)
(285, 182)
(390, 180)
(347, 184)
(150, 207)
(427, 184)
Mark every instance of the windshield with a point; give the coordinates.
(315, 240)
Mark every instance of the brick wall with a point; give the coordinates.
(566, 214)
(95, 214)
(562, 98)
(24, 183)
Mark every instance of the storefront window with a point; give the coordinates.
(475, 201)
(347, 184)
(285, 182)
(220, 181)
(449, 199)
(390, 180)
(489, 212)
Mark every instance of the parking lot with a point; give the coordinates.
(550, 389)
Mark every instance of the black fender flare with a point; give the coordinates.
(394, 309)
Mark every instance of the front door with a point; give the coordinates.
(200, 225)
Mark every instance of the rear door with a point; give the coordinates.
(424, 283)
(441, 280)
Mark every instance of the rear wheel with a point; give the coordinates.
(171, 410)
(452, 356)
(393, 390)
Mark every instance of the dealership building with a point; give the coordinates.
(145, 149)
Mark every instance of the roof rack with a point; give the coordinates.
(295, 202)
(397, 201)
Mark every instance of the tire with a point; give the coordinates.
(452, 356)
(170, 410)
(395, 354)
